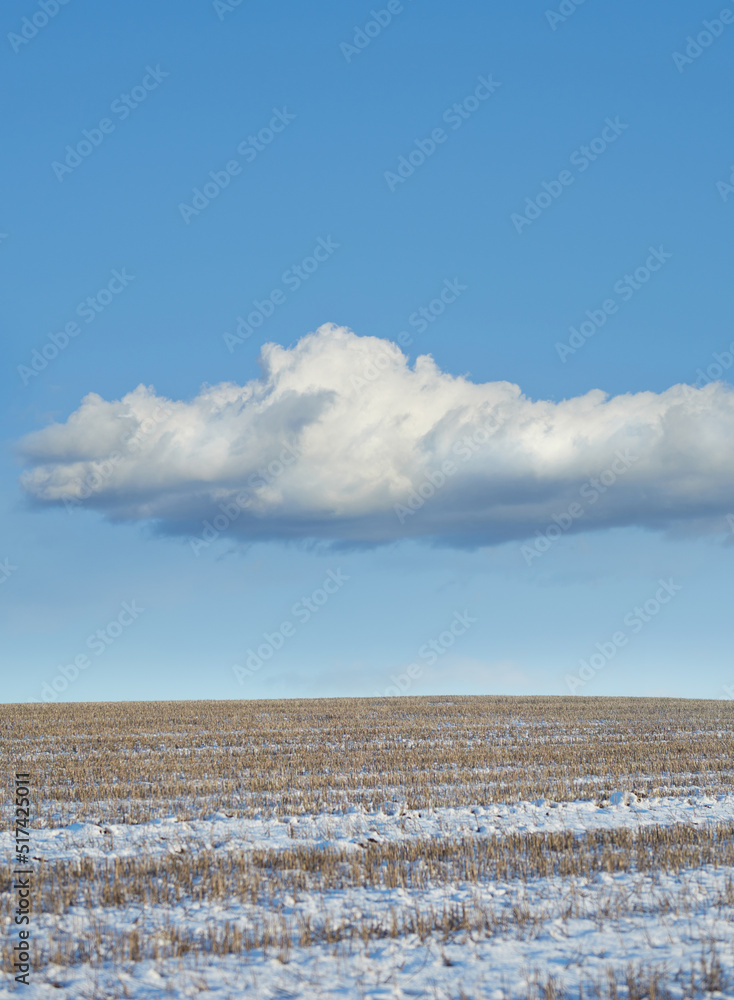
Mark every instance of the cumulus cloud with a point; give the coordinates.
(342, 439)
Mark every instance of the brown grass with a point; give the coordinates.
(131, 762)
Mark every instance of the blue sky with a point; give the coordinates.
(313, 129)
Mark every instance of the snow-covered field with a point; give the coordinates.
(568, 929)
(625, 895)
(356, 828)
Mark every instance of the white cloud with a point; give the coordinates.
(367, 433)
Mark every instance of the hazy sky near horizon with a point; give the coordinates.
(365, 348)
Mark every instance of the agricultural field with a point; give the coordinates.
(450, 848)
